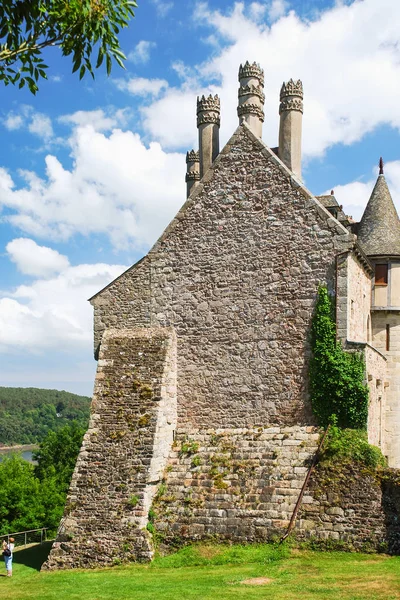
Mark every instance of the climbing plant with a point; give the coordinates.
(337, 377)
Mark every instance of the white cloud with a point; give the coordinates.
(348, 58)
(141, 53)
(35, 260)
(355, 195)
(140, 86)
(53, 313)
(12, 122)
(96, 118)
(277, 9)
(41, 126)
(117, 186)
(37, 123)
(163, 7)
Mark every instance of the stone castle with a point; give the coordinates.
(201, 423)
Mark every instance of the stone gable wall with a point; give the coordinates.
(124, 452)
(236, 275)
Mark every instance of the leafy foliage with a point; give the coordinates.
(34, 496)
(337, 378)
(347, 446)
(28, 414)
(79, 27)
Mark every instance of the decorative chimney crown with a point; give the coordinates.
(192, 156)
(208, 110)
(252, 90)
(254, 70)
(291, 96)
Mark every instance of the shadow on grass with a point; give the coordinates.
(34, 556)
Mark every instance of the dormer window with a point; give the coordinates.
(381, 274)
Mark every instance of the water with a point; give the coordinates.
(26, 454)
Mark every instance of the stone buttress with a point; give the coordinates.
(124, 452)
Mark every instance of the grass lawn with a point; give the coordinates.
(209, 572)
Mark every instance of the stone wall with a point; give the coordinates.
(242, 485)
(236, 275)
(380, 320)
(239, 484)
(353, 299)
(375, 364)
(359, 299)
(124, 451)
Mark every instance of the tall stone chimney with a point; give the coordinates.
(208, 122)
(251, 97)
(291, 116)
(193, 171)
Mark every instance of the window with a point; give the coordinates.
(387, 338)
(381, 274)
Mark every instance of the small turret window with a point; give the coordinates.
(381, 274)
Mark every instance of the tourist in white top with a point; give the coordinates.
(8, 550)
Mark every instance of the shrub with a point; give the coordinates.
(349, 446)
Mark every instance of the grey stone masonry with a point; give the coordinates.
(236, 274)
(243, 484)
(239, 484)
(124, 452)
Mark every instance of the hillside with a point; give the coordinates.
(27, 414)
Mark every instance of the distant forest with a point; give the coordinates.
(28, 414)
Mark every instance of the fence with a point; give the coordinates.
(32, 536)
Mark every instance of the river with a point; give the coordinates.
(25, 451)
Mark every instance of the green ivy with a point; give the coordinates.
(337, 377)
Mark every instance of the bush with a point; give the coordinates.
(346, 446)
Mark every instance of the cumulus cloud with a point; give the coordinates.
(35, 260)
(277, 9)
(53, 313)
(348, 58)
(117, 186)
(37, 123)
(41, 126)
(140, 86)
(141, 52)
(98, 119)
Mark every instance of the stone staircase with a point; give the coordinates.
(240, 484)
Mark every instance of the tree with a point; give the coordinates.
(79, 27)
(57, 455)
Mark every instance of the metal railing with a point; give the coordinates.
(32, 536)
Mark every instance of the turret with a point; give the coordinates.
(208, 122)
(291, 115)
(251, 97)
(193, 171)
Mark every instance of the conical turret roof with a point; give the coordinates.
(379, 228)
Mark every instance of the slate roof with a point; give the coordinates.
(379, 229)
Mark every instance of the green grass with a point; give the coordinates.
(211, 572)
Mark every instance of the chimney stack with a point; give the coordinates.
(208, 122)
(291, 116)
(193, 171)
(251, 97)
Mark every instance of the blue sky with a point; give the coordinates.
(92, 171)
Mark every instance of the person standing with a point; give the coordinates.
(8, 550)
